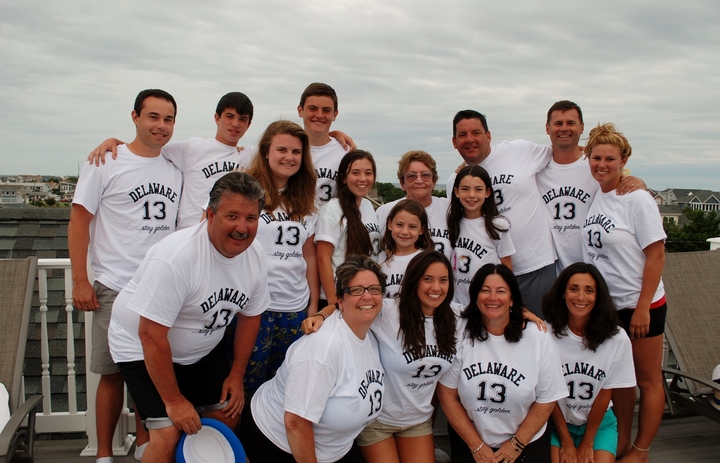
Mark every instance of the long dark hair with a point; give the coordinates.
(475, 328)
(357, 240)
(489, 209)
(412, 319)
(424, 240)
(603, 321)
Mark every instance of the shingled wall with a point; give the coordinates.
(42, 232)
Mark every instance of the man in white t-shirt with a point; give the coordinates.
(512, 166)
(120, 210)
(318, 109)
(566, 185)
(168, 322)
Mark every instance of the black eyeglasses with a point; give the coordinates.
(360, 290)
(412, 176)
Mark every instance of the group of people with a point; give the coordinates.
(425, 299)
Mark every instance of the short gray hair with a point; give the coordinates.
(236, 183)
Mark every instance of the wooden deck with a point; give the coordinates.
(688, 440)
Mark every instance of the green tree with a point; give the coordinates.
(693, 235)
(389, 192)
(50, 201)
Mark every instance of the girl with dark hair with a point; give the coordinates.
(504, 380)
(416, 335)
(406, 235)
(478, 233)
(596, 358)
(346, 224)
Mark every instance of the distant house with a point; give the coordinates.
(673, 214)
(703, 200)
(67, 191)
(11, 194)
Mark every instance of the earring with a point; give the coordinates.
(340, 314)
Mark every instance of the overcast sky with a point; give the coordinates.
(70, 70)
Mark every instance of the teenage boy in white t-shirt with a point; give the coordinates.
(318, 109)
(120, 210)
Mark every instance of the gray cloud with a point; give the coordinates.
(402, 69)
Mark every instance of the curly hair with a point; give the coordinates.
(352, 265)
(412, 319)
(475, 328)
(603, 322)
(416, 156)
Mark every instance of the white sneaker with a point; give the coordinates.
(139, 450)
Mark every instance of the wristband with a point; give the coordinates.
(478, 449)
(322, 314)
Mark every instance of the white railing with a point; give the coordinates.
(73, 420)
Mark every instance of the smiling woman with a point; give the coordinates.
(504, 380)
(331, 384)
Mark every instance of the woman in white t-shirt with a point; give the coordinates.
(504, 380)
(331, 384)
(416, 335)
(625, 240)
(596, 358)
(283, 167)
(347, 225)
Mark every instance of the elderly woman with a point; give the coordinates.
(417, 174)
(504, 380)
(331, 384)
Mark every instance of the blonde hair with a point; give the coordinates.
(608, 134)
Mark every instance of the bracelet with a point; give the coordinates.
(322, 314)
(517, 445)
(639, 449)
(478, 449)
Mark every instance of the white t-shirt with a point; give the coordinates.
(586, 372)
(332, 229)
(437, 222)
(283, 240)
(134, 201)
(184, 283)
(512, 166)
(615, 232)
(332, 379)
(326, 160)
(202, 161)
(567, 190)
(475, 248)
(394, 270)
(410, 380)
(498, 381)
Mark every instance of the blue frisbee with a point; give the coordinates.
(214, 443)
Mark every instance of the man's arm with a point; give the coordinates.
(344, 139)
(245, 336)
(84, 297)
(97, 156)
(158, 361)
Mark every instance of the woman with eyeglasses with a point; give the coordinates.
(331, 384)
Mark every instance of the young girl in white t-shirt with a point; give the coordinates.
(478, 234)
(347, 225)
(406, 234)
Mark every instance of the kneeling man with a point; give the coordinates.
(167, 323)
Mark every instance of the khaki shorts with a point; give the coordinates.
(377, 431)
(101, 361)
